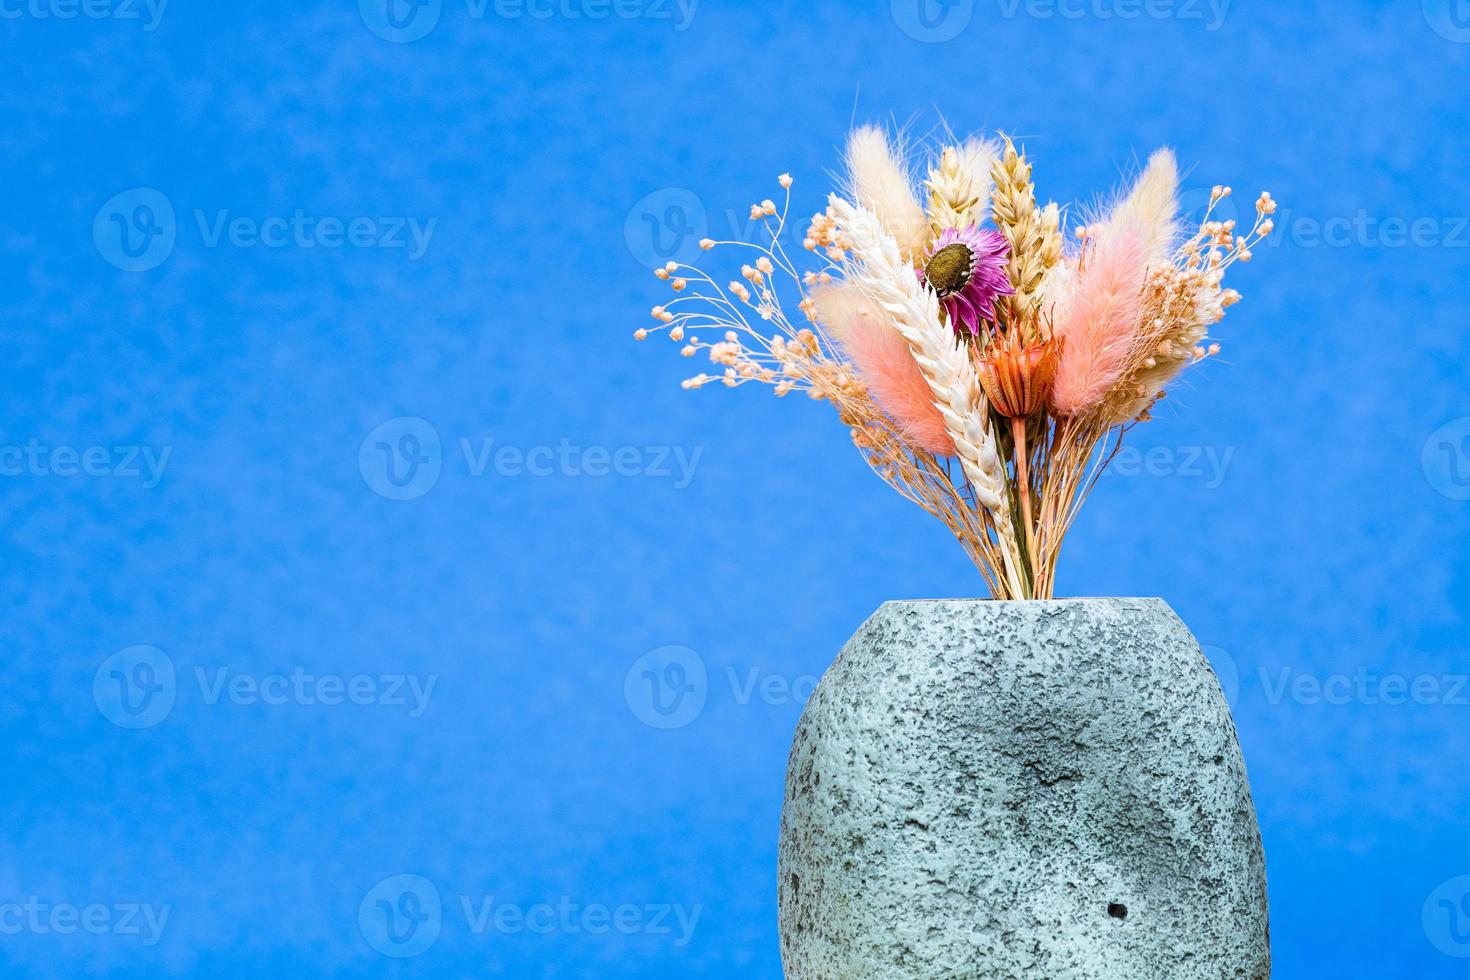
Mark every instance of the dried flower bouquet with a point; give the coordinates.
(987, 372)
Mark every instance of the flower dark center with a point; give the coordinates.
(949, 268)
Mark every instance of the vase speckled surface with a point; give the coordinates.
(1046, 789)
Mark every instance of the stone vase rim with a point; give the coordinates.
(1060, 600)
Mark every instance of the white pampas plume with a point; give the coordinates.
(977, 158)
(837, 304)
(1058, 287)
(880, 183)
(1151, 206)
(878, 266)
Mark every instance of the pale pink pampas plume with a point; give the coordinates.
(1098, 323)
(885, 364)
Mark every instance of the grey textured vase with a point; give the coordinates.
(1042, 790)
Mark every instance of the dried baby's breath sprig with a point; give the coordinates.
(760, 343)
(1182, 301)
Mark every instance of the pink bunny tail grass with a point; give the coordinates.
(886, 365)
(888, 368)
(1099, 321)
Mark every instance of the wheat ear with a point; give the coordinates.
(959, 186)
(1034, 234)
(879, 267)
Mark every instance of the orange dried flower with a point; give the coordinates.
(1017, 379)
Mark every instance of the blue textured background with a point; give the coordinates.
(1325, 545)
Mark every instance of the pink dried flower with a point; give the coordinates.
(967, 269)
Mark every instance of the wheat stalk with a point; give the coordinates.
(878, 266)
(1034, 235)
(959, 186)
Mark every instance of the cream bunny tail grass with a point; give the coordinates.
(959, 185)
(1153, 207)
(880, 182)
(878, 266)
